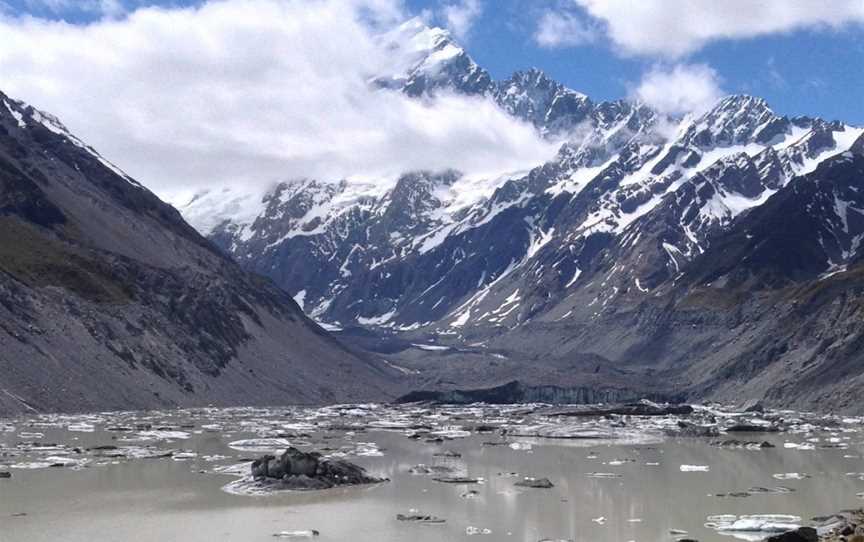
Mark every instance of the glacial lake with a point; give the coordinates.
(172, 475)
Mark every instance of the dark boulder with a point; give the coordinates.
(260, 467)
(803, 534)
(735, 443)
(456, 480)
(301, 464)
(299, 470)
(752, 428)
(419, 518)
(536, 483)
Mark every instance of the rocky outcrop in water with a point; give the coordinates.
(803, 534)
(846, 526)
(299, 470)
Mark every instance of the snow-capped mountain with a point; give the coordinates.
(628, 218)
(412, 254)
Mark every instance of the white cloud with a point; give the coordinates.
(461, 16)
(562, 29)
(247, 92)
(673, 28)
(679, 89)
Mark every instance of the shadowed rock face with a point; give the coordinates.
(109, 300)
(303, 471)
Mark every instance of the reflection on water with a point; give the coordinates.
(162, 475)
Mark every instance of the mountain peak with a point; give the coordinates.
(738, 119)
(536, 78)
(426, 59)
(742, 101)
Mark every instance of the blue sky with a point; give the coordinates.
(811, 65)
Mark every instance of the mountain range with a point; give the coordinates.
(713, 255)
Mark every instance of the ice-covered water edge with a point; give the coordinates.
(161, 434)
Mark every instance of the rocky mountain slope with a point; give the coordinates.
(109, 300)
(613, 270)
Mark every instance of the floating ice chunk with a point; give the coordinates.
(368, 449)
(262, 445)
(310, 533)
(135, 452)
(396, 424)
(184, 455)
(65, 461)
(81, 427)
(451, 432)
(214, 457)
(761, 523)
(791, 476)
(162, 434)
(602, 475)
(799, 446)
(780, 490)
(238, 469)
(31, 465)
(695, 468)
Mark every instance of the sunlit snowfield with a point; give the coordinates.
(178, 475)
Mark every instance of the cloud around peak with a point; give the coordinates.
(459, 17)
(247, 92)
(679, 89)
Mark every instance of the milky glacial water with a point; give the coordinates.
(627, 486)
